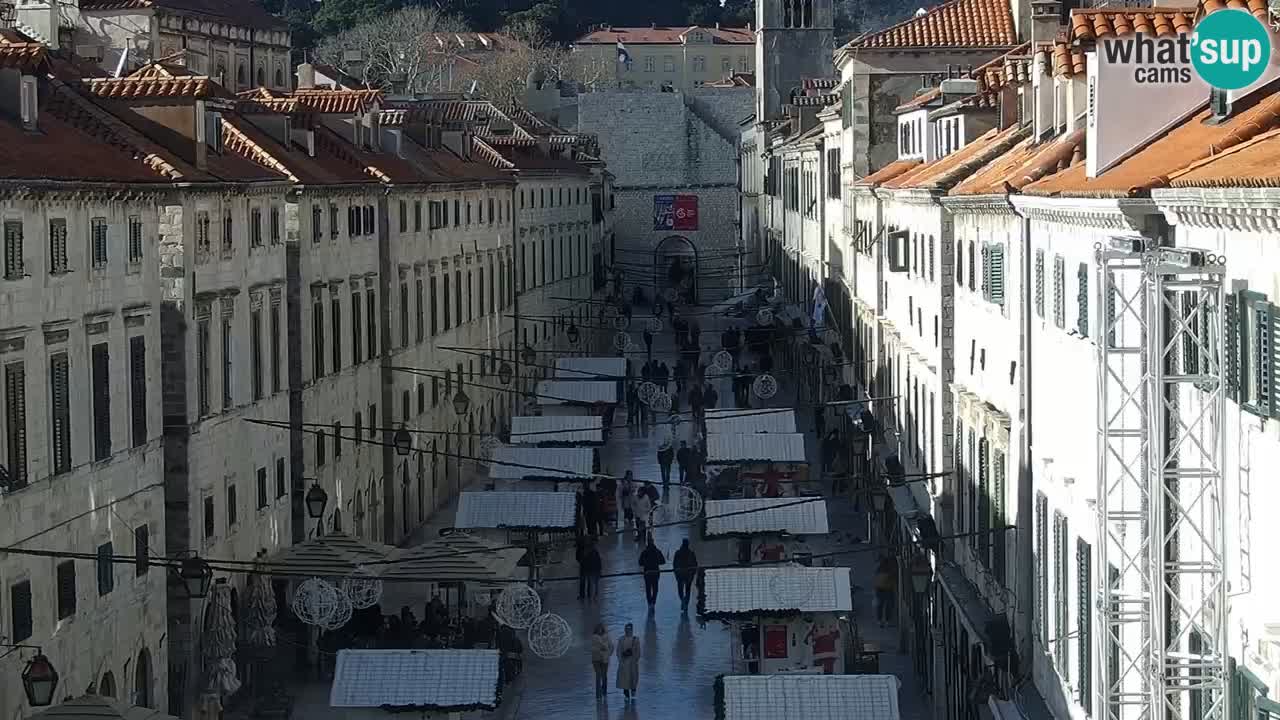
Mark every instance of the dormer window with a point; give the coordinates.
(29, 102)
(213, 131)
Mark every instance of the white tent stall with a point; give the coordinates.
(591, 368)
(795, 696)
(575, 397)
(526, 462)
(751, 421)
(557, 430)
(436, 681)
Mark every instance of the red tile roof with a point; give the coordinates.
(1068, 61)
(447, 111)
(888, 172)
(820, 83)
(955, 24)
(1026, 163)
(318, 101)
(664, 35)
(1093, 23)
(1181, 147)
(156, 81)
(942, 174)
(247, 13)
(19, 51)
(1257, 8)
(1013, 67)
(1255, 163)
(920, 100)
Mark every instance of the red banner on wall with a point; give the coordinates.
(686, 212)
(775, 642)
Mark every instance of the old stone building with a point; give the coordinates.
(680, 58)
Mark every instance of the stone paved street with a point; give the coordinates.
(680, 657)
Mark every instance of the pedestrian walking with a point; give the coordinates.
(820, 421)
(885, 584)
(626, 492)
(628, 676)
(591, 508)
(710, 397)
(633, 405)
(590, 566)
(661, 375)
(681, 370)
(651, 561)
(641, 506)
(601, 651)
(830, 448)
(648, 343)
(685, 564)
(683, 456)
(580, 554)
(665, 455)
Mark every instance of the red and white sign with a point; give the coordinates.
(686, 212)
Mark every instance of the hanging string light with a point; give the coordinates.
(550, 636)
(765, 387)
(315, 601)
(722, 361)
(518, 606)
(621, 340)
(342, 613)
(362, 589)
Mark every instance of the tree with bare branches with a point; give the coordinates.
(394, 52)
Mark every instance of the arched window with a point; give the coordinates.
(107, 686)
(279, 78)
(242, 76)
(262, 76)
(142, 680)
(336, 522)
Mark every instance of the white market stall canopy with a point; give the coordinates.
(795, 515)
(516, 462)
(751, 421)
(455, 558)
(579, 392)
(809, 697)
(730, 448)
(751, 590)
(334, 555)
(591, 368)
(536, 429)
(432, 680)
(516, 510)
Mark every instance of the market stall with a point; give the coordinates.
(526, 462)
(463, 570)
(419, 681)
(786, 618)
(745, 422)
(796, 696)
(534, 520)
(591, 368)
(576, 397)
(767, 529)
(557, 430)
(768, 464)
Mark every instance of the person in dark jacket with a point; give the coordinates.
(665, 456)
(591, 508)
(633, 405)
(590, 566)
(820, 421)
(661, 375)
(648, 343)
(695, 401)
(683, 457)
(710, 397)
(830, 448)
(651, 561)
(685, 564)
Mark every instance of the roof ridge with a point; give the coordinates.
(109, 128)
(983, 156)
(237, 140)
(333, 143)
(1238, 147)
(948, 30)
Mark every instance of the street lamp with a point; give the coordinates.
(196, 576)
(461, 403)
(402, 441)
(878, 498)
(39, 681)
(921, 574)
(572, 334)
(505, 373)
(316, 499)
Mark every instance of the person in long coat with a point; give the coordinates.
(628, 662)
(601, 650)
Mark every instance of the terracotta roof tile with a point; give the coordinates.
(959, 23)
(820, 83)
(318, 101)
(1255, 163)
(663, 35)
(446, 111)
(246, 13)
(1025, 163)
(19, 51)
(944, 173)
(1256, 8)
(1152, 166)
(1013, 66)
(815, 100)
(492, 156)
(129, 88)
(919, 101)
(1092, 23)
(1068, 61)
(888, 172)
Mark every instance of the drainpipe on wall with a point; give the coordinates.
(1025, 572)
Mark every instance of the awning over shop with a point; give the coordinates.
(591, 368)
(455, 558)
(332, 555)
(798, 516)
(733, 448)
(747, 591)
(808, 697)
(577, 392)
(519, 462)
(751, 421)
(426, 680)
(551, 510)
(559, 429)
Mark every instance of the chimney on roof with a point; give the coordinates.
(653, 26)
(717, 25)
(306, 76)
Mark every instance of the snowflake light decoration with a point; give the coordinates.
(765, 387)
(646, 392)
(722, 361)
(764, 317)
(655, 325)
(362, 589)
(550, 636)
(341, 614)
(621, 340)
(621, 322)
(670, 295)
(315, 602)
(660, 401)
(518, 606)
(682, 504)
(791, 589)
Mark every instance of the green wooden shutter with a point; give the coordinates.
(1272, 331)
(1231, 345)
(1084, 624)
(1082, 300)
(995, 285)
(986, 272)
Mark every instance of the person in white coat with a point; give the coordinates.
(628, 662)
(601, 650)
(641, 506)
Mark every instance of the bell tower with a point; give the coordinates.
(795, 40)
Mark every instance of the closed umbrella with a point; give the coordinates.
(220, 645)
(259, 612)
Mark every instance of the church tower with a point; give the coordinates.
(795, 40)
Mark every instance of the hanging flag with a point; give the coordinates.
(624, 57)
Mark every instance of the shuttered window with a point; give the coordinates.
(335, 324)
(417, 216)
(1084, 625)
(233, 506)
(321, 450)
(263, 497)
(1059, 290)
(141, 550)
(404, 314)
(1231, 345)
(337, 440)
(1041, 561)
(13, 265)
(228, 233)
(973, 265)
(984, 503)
(281, 485)
(106, 570)
(255, 353)
(1259, 361)
(317, 218)
(255, 227)
(275, 226)
(60, 399)
(371, 316)
(959, 263)
(135, 239)
(1061, 633)
(999, 516)
(480, 293)
(227, 354)
(457, 295)
(203, 343)
(15, 422)
(20, 610)
(138, 390)
(404, 216)
(962, 481)
(972, 487)
(58, 246)
(995, 273)
(1082, 300)
(418, 322)
(317, 335)
(66, 579)
(434, 298)
(98, 241)
(275, 347)
(100, 358)
(370, 225)
(210, 523)
(986, 271)
(932, 251)
(1039, 271)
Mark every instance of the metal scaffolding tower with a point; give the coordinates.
(1161, 399)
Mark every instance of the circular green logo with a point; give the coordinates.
(1230, 49)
